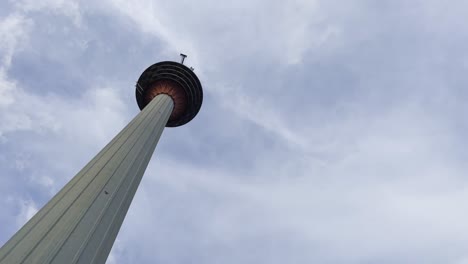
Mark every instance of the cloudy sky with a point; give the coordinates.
(330, 132)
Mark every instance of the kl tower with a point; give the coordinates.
(80, 223)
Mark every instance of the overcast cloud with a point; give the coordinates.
(331, 131)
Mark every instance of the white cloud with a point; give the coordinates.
(6, 90)
(257, 111)
(13, 35)
(266, 30)
(70, 9)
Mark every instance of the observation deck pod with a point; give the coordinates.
(176, 80)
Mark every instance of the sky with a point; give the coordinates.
(330, 131)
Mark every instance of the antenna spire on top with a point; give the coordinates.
(183, 57)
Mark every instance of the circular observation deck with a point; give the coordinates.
(175, 80)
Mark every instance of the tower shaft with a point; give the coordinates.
(81, 222)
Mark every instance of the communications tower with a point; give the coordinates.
(80, 223)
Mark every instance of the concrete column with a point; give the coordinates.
(81, 222)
